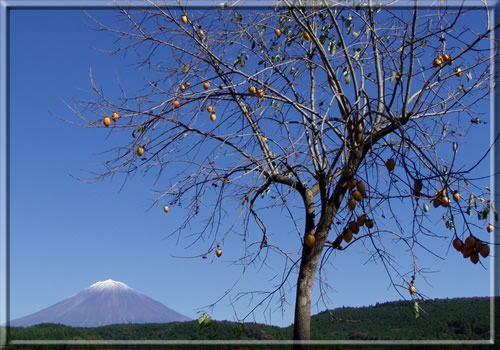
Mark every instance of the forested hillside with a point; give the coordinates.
(446, 319)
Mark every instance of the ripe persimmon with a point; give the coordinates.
(361, 220)
(437, 62)
(354, 227)
(440, 192)
(206, 85)
(351, 183)
(357, 196)
(467, 251)
(390, 164)
(210, 109)
(484, 250)
(140, 151)
(307, 36)
(347, 235)
(107, 121)
(260, 93)
(457, 244)
(490, 228)
(369, 223)
(277, 31)
(470, 242)
(176, 104)
(445, 202)
(456, 196)
(165, 209)
(458, 72)
(478, 245)
(184, 19)
(474, 258)
(310, 240)
(218, 253)
(412, 289)
(361, 187)
(351, 204)
(115, 116)
(213, 117)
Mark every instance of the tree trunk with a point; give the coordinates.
(302, 323)
(310, 259)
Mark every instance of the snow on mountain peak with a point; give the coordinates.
(109, 284)
(103, 303)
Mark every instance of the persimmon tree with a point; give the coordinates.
(356, 112)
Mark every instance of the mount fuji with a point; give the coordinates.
(103, 303)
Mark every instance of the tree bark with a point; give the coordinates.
(302, 322)
(308, 264)
(311, 256)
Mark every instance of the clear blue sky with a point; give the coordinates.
(65, 235)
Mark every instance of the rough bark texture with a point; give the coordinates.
(302, 323)
(311, 257)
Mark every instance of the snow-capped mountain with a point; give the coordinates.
(103, 303)
(109, 284)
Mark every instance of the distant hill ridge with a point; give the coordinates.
(439, 319)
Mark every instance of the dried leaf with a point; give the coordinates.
(472, 202)
(393, 76)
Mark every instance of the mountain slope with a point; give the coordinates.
(103, 303)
